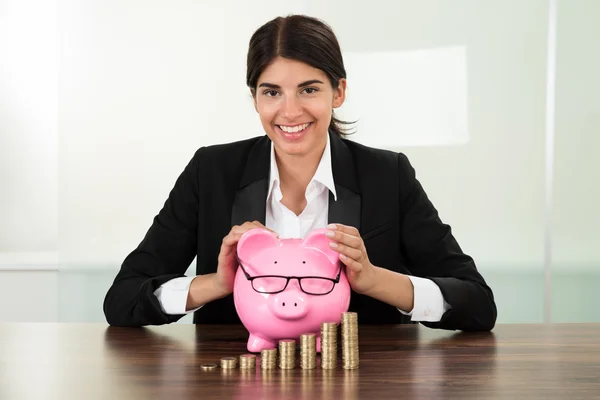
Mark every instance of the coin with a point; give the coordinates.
(247, 361)
(350, 340)
(228, 362)
(308, 351)
(328, 345)
(287, 354)
(208, 367)
(268, 358)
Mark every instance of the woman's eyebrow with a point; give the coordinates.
(274, 86)
(310, 82)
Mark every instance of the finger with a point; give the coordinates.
(234, 235)
(230, 241)
(346, 239)
(238, 229)
(245, 227)
(344, 228)
(351, 264)
(236, 232)
(227, 247)
(229, 244)
(351, 252)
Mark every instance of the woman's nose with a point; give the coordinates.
(292, 109)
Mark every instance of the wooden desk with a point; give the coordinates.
(94, 361)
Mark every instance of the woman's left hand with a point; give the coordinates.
(360, 272)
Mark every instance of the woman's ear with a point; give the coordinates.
(339, 94)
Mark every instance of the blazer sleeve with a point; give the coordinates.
(166, 252)
(433, 253)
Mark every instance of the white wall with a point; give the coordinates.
(29, 296)
(576, 216)
(28, 132)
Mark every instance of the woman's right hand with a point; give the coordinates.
(227, 261)
(210, 287)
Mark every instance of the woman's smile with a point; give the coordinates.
(293, 132)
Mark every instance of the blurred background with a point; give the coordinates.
(496, 104)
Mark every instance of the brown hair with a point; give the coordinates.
(301, 38)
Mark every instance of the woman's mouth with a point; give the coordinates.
(293, 132)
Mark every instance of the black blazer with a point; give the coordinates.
(377, 192)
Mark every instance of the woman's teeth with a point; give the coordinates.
(294, 129)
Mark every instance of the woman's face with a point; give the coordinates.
(295, 102)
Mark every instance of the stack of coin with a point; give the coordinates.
(328, 345)
(350, 340)
(228, 362)
(247, 361)
(268, 359)
(287, 354)
(308, 351)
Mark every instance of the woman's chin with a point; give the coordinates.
(296, 149)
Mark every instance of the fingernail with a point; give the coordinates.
(342, 257)
(333, 244)
(330, 234)
(332, 226)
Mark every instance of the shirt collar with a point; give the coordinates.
(323, 174)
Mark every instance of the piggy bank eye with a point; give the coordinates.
(303, 262)
(274, 262)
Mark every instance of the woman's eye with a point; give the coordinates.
(310, 90)
(270, 93)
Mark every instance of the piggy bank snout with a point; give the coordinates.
(289, 304)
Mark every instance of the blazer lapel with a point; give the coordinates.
(346, 210)
(249, 203)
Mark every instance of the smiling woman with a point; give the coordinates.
(401, 261)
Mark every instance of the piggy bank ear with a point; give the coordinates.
(255, 240)
(317, 239)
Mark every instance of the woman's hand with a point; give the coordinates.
(227, 261)
(379, 283)
(360, 272)
(210, 287)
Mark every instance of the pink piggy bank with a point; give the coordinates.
(286, 287)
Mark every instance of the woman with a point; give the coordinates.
(402, 262)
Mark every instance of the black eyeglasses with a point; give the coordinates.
(272, 284)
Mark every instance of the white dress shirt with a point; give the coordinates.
(429, 304)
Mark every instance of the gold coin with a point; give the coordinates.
(268, 358)
(268, 352)
(208, 367)
(308, 351)
(287, 353)
(228, 362)
(328, 345)
(247, 361)
(350, 353)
